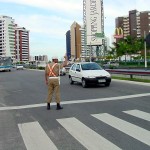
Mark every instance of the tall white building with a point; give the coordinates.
(85, 49)
(7, 37)
(22, 44)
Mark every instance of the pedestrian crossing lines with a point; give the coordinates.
(134, 131)
(35, 137)
(86, 136)
(139, 114)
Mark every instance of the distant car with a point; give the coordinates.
(19, 67)
(63, 71)
(111, 64)
(88, 73)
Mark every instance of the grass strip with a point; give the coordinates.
(133, 79)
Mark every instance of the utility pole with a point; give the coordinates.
(145, 51)
(90, 51)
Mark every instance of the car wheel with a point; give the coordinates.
(107, 84)
(70, 80)
(84, 84)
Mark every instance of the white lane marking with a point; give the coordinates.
(138, 114)
(77, 101)
(86, 136)
(34, 137)
(130, 129)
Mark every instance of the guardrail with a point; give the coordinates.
(129, 72)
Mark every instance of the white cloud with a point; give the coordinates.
(59, 16)
(53, 26)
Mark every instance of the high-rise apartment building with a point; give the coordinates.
(22, 44)
(68, 44)
(14, 40)
(75, 34)
(7, 37)
(135, 23)
(85, 49)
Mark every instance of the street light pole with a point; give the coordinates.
(90, 51)
(145, 50)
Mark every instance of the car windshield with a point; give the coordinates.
(90, 66)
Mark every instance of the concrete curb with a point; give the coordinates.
(132, 82)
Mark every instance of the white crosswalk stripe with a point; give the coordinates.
(87, 137)
(138, 114)
(134, 131)
(34, 137)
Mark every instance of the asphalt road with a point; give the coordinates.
(94, 118)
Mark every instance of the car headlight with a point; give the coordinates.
(108, 75)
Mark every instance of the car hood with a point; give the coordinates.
(94, 73)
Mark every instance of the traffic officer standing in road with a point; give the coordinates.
(53, 81)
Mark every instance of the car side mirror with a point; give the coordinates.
(78, 70)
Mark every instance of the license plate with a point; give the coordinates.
(101, 80)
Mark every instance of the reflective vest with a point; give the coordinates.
(51, 70)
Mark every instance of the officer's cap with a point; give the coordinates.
(54, 57)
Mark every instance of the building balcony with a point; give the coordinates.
(25, 46)
(25, 51)
(25, 54)
(24, 42)
(24, 36)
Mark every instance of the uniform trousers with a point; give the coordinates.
(53, 88)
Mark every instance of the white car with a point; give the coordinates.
(88, 73)
(63, 71)
(19, 67)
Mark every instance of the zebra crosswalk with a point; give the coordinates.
(35, 138)
(139, 114)
(86, 136)
(126, 127)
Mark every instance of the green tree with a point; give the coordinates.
(128, 46)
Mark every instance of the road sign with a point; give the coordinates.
(100, 35)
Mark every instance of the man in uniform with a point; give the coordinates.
(52, 80)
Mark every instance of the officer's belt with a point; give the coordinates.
(53, 77)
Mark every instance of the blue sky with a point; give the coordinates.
(49, 20)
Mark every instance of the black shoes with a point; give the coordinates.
(48, 106)
(59, 107)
